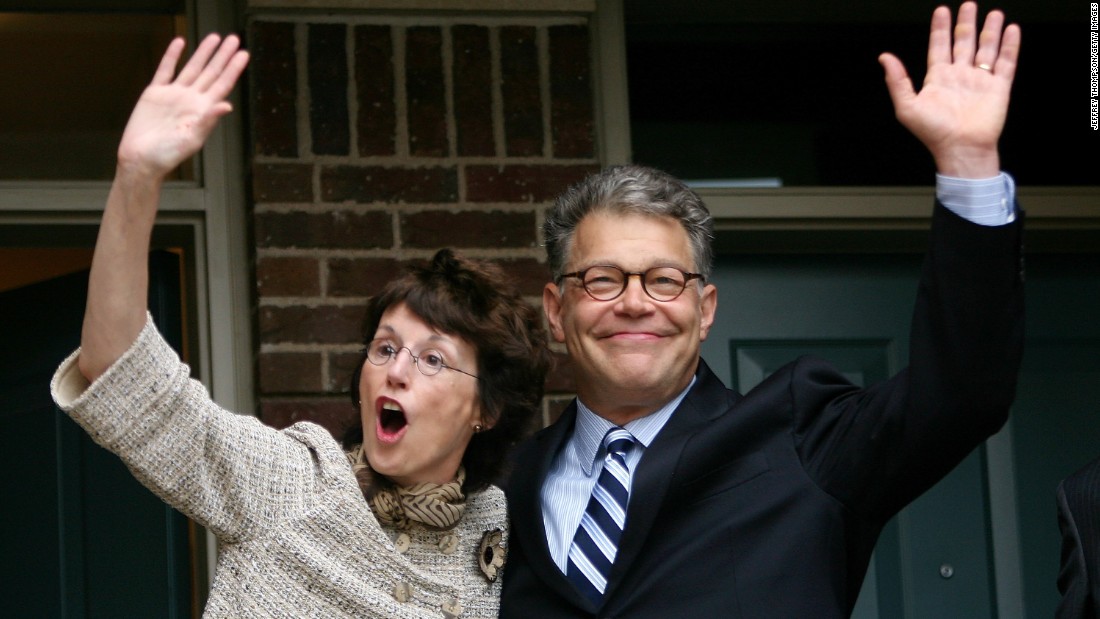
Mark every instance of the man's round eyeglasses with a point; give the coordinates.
(604, 283)
(429, 362)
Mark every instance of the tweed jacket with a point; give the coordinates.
(296, 537)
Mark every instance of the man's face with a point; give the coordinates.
(631, 355)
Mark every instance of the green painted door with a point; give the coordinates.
(1055, 423)
(984, 542)
(81, 538)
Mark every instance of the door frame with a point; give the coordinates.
(214, 208)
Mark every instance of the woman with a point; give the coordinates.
(405, 521)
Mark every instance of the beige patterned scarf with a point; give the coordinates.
(438, 506)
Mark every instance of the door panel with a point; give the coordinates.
(1056, 418)
(83, 538)
(937, 558)
(855, 311)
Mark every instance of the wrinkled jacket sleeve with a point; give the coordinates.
(229, 472)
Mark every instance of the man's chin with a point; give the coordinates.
(635, 388)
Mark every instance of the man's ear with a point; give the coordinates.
(551, 305)
(708, 306)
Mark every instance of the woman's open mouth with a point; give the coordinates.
(391, 422)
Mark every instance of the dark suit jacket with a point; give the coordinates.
(769, 504)
(1079, 521)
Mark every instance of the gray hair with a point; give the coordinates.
(631, 190)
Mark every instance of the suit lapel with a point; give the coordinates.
(707, 400)
(525, 502)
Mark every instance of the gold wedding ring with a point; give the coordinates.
(985, 67)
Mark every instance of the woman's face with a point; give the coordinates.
(416, 427)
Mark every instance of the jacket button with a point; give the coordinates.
(448, 544)
(402, 543)
(452, 609)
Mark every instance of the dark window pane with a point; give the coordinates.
(70, 82)
(803, 102)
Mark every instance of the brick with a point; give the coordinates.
(571, 107)
(427, 106)
(527, 274)
(335, 414)
(341, 366)
(560, 377)
(369, 184)
(328, 89)
(279, 276)
(290, 372)
(282, 182)
(522, 101)
(299, 324)
(328, 230)
(376, 121)
(360, 277)
(521, 183)
(274, 89)
(473, 98)
(433, 229)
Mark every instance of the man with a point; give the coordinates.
(1079, 522)
(705, 501)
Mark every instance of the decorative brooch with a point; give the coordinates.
(490, 554)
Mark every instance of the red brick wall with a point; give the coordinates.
(377, 140)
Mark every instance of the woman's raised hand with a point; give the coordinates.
(177, 112)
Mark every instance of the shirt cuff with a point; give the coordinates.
(985, 201)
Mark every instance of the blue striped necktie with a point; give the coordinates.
(597, 540)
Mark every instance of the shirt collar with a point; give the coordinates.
(591, 428)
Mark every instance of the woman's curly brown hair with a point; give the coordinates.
(474, 300)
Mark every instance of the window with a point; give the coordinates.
(791, 94)
(71, 80)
